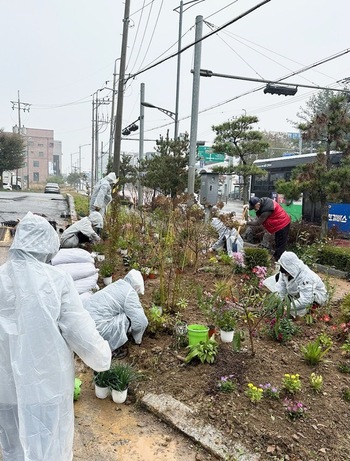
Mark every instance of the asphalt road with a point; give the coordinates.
(15, 205)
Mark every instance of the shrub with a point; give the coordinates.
(313, 352)
(337, 257)
(345, 308)
(256, 257)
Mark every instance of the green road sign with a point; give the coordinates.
(206, 153)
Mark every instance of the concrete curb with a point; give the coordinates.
(71, 207)
(331, 271)
(187, 421)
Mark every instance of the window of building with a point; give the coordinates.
(36, 177)
(36, 163)
(40, 145)
(41, 154)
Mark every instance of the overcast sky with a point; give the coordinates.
(58, 53)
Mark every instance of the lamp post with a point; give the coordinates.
(167, 112)
(83, 145)
(71, 161)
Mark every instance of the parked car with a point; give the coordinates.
(6, 186)
(52, 188)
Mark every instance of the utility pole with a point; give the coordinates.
(111, 132)
(119, 114)
(178, 73)
(141, 140)
(25, 107)
(195, 105)
(92, 182)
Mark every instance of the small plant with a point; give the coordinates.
(121, 375)
(102, 378)
(344, 367)
(156, 319)
(106, 269)
(313, 352)
(205, 351)
(291, 383)
(282, 329)
(254, 393)
(325, 340)
(346, 394)
(238, 337)
(182, 303)
(226, 384)
(294, 409)
(270, 391)
(316, 382)
(346, 347)
(226, 318)
(345, 308)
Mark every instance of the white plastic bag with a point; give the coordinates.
(72, 255)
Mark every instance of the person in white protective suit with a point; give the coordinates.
(82, 231)
(117, 310)
(300, 283)
(102, 194)
(42, 322)
(229, 239)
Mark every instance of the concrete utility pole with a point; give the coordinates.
(195, 105)
(141, 140)
(111, 131)
(120, 99)
(25, 107)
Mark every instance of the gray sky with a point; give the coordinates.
(58, 53)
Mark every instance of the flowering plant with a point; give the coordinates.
(294, 408)
(226, 384)
(291, 383)
(270, 391)
(254, 393)
(260, 274)
(316, 382)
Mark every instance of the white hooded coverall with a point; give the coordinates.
(305, 288)
(42, 321)
(102, 194)
(70, 238)
(117, 307)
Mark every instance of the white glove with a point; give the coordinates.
(245, 207)
(242, 222)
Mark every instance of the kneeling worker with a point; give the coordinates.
(300, 283)
(82, 231)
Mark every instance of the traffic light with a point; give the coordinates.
(272, 88)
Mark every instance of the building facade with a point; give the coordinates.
(43, 156)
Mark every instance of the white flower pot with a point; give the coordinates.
(123, 252)
(119, 396)
(101, 257)
(101, 392)
(226, 336)
(107, 280)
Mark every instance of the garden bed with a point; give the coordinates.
(264, 427)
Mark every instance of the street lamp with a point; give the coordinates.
(83, 145)
(167, 112)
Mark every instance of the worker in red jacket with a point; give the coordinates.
(275, 220)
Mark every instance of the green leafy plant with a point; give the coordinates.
(106, 269)
(254, 393)
(226, 318)
(346, 394)
(226, 384)
(316, 382)
(102, 378)
(313, 352)
(282, 329)
(291, 383)
(121, 375)
(205, 351)
(345, 308)
(156, 319)
(346, 347)
(344, 367)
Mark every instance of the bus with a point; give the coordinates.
(281, 168)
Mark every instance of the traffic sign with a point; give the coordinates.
(206, 153)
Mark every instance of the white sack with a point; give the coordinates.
(72, 255)
(86, 284)
(79, 270)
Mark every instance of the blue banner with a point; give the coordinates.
(339, 216)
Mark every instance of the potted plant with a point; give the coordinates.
(121, 375)
(106, 272)
(99, 249)
(226, 321)
(101, 381)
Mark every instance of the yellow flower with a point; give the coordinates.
(287, 375)
(250, 385)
